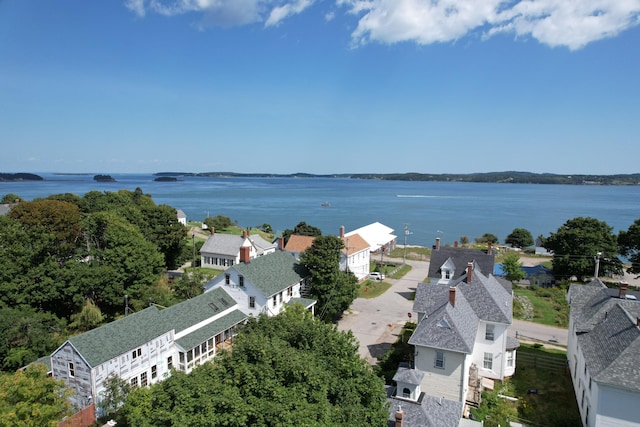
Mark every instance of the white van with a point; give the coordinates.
(376, 276)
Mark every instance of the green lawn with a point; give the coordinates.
(372, 288)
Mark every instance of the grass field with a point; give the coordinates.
(550, 306)
(372, 288)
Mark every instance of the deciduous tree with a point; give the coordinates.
(519, 238)
(629, 246)
(512, 267)
(577, 243)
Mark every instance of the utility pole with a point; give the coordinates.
(406, 234)
(597, 259)
(193, 242)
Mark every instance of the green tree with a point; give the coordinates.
(189, 285)
(519, 238)
(27, 334)
(302, 229)
(116, 391)
(218, 222)
(335, 290)
(487, 238)
(512, 267)
(629, 246)
(30, 398)
(577, 243)
(88, 318)
(10, 198)
(289, 369)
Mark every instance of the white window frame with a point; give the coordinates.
(490, 332)
(510, 358)
(487, 361)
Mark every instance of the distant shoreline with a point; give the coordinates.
(508, 177)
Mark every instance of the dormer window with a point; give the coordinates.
(447, 274)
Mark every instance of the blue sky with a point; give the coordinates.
(334, 86)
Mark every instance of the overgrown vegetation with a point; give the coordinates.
(549, 305)
(495, 410)
(400, 351)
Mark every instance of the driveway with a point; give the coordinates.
(377, 322)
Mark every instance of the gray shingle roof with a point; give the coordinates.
(446, 327)
(229, 244)
(272, 273)
(607, 334)
(491, 302)
(427, 412)
(406, 375)
(460, 258)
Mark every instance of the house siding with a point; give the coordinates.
(80, 383)
(495, 347)
(448, 382)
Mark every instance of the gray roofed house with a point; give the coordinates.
(424, 411)
(223, 250)
(450, 263)
(604, 353)
(461, 336)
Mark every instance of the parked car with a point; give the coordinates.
(376, 276)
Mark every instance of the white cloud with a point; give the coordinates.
(570, 23)
(279, 13)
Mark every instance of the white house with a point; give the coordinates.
(266, 284)
(356, 255)
(223, 250)
(450, 263)
(379, 237)
(461, 338)
(182, 217)
(604, 354)
(143, 347)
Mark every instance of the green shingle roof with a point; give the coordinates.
(306, 302)
(272, 273)
(115, 338)
(108, 341)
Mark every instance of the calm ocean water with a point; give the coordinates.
(430, 209)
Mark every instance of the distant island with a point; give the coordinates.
(104, 178)
(20, 177)
(509, 177)
(166, 179)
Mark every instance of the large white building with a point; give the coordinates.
(604, 354)
(143, 347)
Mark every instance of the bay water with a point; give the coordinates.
(448, 210)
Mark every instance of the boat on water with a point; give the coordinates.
(325, 204)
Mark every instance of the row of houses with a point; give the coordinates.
(143, 348)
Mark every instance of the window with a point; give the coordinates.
(181, 357)
(241, 281)
(488, 361)
(252, 302)
(275, 300)
(406, 393)
(289, 291)
(134, 354)
(447, 274)
(489, 333)
(280, 297)
(439, 361)
(510, 359)
(72, 370)
(143, 379)
(154, 371)
(134, 382)
(170, 361)
(227, 279)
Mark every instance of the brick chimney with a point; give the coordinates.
(437, 243)
(469, 272)
(281, 243)
(455, 243)
(244, 234)
(249, 231)
(623, 289)
(342, 231)
(399, 417)
(452, 296)
(245, 254)
(489, 248)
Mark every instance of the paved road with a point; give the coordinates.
(377, 322)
